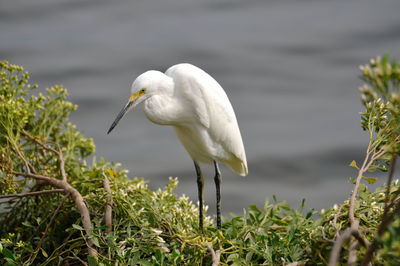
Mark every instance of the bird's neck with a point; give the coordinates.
(163, 110)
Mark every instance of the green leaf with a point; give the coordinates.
(354, 164)
(373, 168)
(274, 198)
(371, 180)
(11, 262)
(44, 253)
(27, 224)
(385, 59)
(78, 227)
(145, 263)
(232, 257)
(92, 261)
(95, 241)
(8, 254)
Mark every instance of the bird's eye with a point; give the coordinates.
(143, 90)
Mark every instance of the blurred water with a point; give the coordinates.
(289, 67)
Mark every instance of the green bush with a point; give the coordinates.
(151, 227)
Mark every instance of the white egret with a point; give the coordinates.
(197, 107)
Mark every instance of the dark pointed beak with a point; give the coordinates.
(120, 115)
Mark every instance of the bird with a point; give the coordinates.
(197, 107)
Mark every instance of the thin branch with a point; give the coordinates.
(353, 244)
(354, 223)
(50, 180)
(335, 221)
(63, 184)
(28, 166)
(62, 164)
(215, 255)
(44, 146)
(368, 161)
(58, 153)
(335, 253)
(364, 242)
(34, 193)
(386, 219)
(388, 186)
(33, 255)
(110, 203)
(76, 196)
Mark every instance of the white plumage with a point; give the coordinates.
(198, 108)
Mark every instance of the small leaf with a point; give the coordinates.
(27, 224)
(95, 241)
(354, 164)
(274, 198)
(111, 172)
(11, 262)
(371, 180)
(92, 261)
(373, 168)
(385, 59)
(44, 253)
(310, 213)
(78, 227)
(8, 254)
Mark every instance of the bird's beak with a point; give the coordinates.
(133, 101)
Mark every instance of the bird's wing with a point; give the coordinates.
(188, 87)
(212, 107)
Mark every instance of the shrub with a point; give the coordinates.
(58, 209)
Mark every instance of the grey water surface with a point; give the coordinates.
(289, 67)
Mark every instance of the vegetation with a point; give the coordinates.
(56, 209)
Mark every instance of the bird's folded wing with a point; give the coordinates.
(211, 105)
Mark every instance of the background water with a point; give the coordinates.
(289, 67)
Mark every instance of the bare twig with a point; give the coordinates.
(388, 186)
(352, 261)
(44, 146)
(76, 196)
(63, 184)
(28, 166)
(34, 193)
(334, 257)
(110, 203)
(368, 161)
(33, 255)
(386, 219)
(215, 255)
(370, 158)
(335, 221)
(62, 164)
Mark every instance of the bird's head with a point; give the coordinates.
(146, 85)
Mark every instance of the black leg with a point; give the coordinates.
(200, 187)
(217, 180)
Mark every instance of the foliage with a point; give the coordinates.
(157, 227)
(380, 95)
